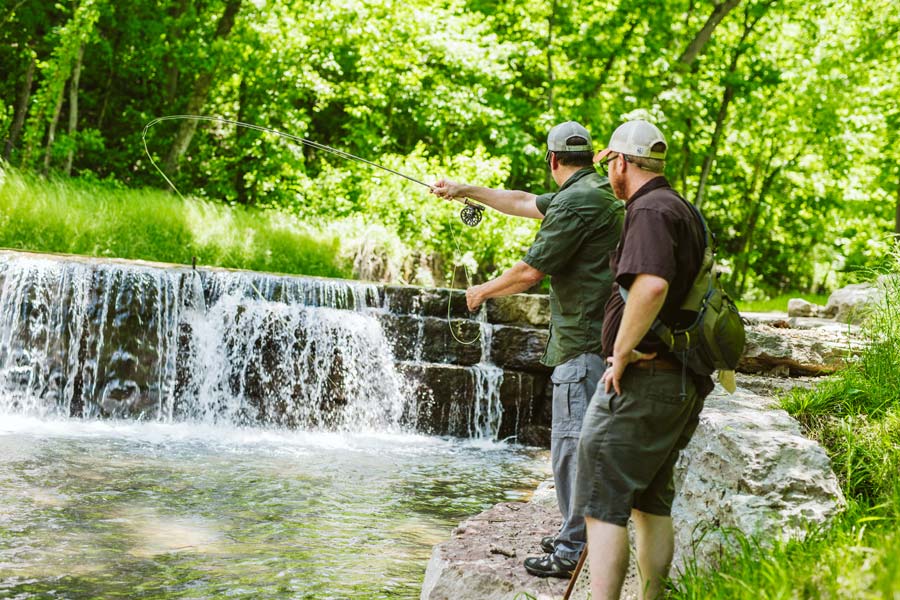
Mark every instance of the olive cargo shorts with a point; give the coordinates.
(630, 442)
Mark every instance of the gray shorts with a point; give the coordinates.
(629, 445)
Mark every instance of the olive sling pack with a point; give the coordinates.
(715, 339)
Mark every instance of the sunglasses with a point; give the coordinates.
(604, 166)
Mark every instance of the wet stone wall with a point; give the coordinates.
(106, 338)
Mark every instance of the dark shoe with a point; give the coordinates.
(547, 544)
(550, 566)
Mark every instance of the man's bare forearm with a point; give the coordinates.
(514, 280)
(511, 202)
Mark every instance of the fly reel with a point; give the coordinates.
(471, 213)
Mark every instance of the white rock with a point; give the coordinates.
(749, 467)
(798, 307)
(851, 304)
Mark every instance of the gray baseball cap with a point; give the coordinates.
(558, 138)
(635, 138)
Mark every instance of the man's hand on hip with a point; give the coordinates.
(612, 377)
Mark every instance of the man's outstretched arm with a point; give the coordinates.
(511, 202)
(515, 279)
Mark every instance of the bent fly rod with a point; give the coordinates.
(470, 214)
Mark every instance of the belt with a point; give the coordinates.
(657, 364)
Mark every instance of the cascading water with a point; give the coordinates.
(262, 442)
(90, 340)
(487, 410)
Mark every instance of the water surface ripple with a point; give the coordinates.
(126, 509)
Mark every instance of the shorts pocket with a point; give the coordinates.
(569, 399)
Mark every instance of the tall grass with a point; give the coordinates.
(855, 415)
(74, 217)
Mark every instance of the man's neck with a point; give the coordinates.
(638, 180)
(562, 174)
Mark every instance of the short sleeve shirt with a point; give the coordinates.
(661, 236)
(580, 229)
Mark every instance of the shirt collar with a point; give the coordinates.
(579, 174)
(653, 184)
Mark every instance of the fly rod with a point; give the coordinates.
(470, 214)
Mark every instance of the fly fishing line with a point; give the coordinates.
(470, 214)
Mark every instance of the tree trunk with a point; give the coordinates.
(610, 61)
(551, 76)
(73, 108)
(171, 69)
(21, 109)
(197, 99)
(686, 153)
(720, 11)
(240, 169)
(11, 12)
(710, 157)
(51, 132)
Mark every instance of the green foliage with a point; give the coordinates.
(98, 219)
(779, 303)
(780, 117)
(857, 557)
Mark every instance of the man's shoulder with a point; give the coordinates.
(663, 200)
(588, 193)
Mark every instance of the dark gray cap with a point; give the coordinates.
(559, 136)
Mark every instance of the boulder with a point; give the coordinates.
(748, 468)
(786, 351)
(851, 304)
(483, 558)
(798, 307)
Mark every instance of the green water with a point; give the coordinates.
(94, 509)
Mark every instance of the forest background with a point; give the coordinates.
(782, 118)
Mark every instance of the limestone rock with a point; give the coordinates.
(781, 351)
(798, 307)
(748, 467)
(519, 347)
(851, 304)
(521, 309)
(465, 566)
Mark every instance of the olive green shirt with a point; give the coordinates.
(581, 227)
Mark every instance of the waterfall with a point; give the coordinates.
(92, 339)
(487, 411)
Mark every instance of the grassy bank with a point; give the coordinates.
(855, 415)
(74, 217)
(779, 303)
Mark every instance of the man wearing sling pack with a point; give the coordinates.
(647, 405)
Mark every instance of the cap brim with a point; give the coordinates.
(602, 154)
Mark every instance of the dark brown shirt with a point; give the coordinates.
(661, 236)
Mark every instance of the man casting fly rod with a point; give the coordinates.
(580, 227)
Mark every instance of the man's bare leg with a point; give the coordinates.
(607, 558)
(655, 543)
